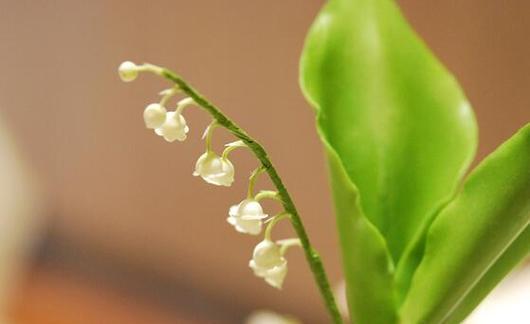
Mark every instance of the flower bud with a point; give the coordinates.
(247, 217)
(154, 115)
(128, 71)
(214, 169)
(173, 128)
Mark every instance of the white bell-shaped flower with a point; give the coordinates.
(247, 217)
(173, 128)
(215, 169)
(128, 71)
(154, 115)
(268, 263)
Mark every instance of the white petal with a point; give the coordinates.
(234, 211)
(251, 217)
(267, 254)
(276, 276)
(251, 209)
(199, 163)
(260, 272)
(238, 143)
(246, 227)
(218, 180)
(252, 227)
(154, 116)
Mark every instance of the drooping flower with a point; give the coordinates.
(247, 217)
(215, 169)
(173, 128)
(128, 71)
(154, 115)
(268, 263)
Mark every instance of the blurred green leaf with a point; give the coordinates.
(397, 127)
(476, 239)
(517, 251)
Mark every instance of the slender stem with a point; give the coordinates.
(252, 181)
(287, 243)
(312, 256)
(272, 222)
(168, 93)
(208, 135)
(228, 150)
(232, 146)
(183, 104)
(267, 194)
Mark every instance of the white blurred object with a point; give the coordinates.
(508, 303)
(268, 317)
(18, 216)
(340, 295)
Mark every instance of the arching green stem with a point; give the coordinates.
(312, 256)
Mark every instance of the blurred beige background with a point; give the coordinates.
(122, 203)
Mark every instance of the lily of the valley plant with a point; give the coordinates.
(422, 240)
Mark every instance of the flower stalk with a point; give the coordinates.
(267, 194)
(272, 222)
(312, 256)
(232, 146)
(252, 181)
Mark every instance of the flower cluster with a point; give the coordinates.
(268, 259)
(170, 125)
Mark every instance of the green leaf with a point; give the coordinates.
(396, 125)
(397, 119)
(367, 263)
(476, 239)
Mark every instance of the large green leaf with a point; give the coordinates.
(397, 119)
(476, 239)
(396, 124)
